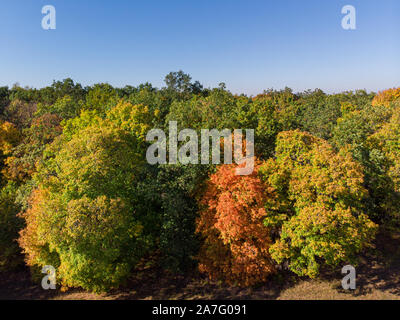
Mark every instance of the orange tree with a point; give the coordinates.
(235, 241)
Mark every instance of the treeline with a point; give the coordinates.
(77, 193)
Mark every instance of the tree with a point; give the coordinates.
(137, 119)
(85, 217)
(178, 186)
(385, 147)
(10, 225)
(178, 81)
(9, 138)
(21, 162)
(388, 140)
(352, 132)
(270, 113)
(4, 100)
(215, 111)
(320, 218)
(64, 107)
(20, 113)
(235, 241)
(319, 113)
(387, 97)
(101, 97)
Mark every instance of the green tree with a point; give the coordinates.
(352, 132)
(4, 100)
(85, 216)
(101, 97)
(10, 225)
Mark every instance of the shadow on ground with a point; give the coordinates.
(378, 278)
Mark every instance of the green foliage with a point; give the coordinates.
(10, 225)
(84, 216)
(136, 119)
(85, 119)
(101, 97)
(48, 96)
(157, 101)
(216, 111)
(352, 132)
(60, 89)
(180, 83)
(178, 186)
(271, 113)
(319, 111)
(99, 243)
(65, 107)
(4, 100)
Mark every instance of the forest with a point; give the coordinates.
(77, 193)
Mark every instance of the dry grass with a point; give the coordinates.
(329, 290)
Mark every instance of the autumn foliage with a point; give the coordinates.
(236, 242)
(9, 137)
(320, 219)
(77, 193)
(303, 207)
(387, 97)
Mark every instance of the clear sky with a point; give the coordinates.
(251, 45)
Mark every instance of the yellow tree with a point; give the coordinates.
(320, 219)
(387, 97)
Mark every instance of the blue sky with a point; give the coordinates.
(251, 45)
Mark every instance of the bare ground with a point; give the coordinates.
(378, 278)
